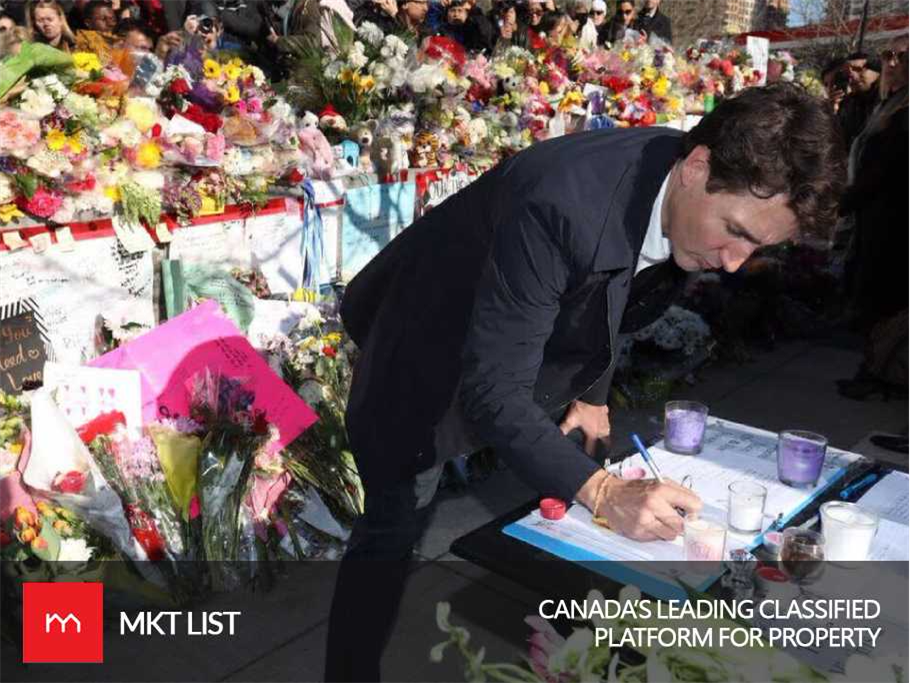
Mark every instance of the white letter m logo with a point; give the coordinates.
(51, 618)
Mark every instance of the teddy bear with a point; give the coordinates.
(317, 152)
(331, 120)
(363, 136)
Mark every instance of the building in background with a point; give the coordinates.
(695, 19)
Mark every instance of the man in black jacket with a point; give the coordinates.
(654, 22)
(493, 320)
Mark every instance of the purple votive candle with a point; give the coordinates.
(684, 426)
(800, 457)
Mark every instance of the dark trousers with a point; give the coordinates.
(371, 577)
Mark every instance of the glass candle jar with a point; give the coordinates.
(684, 426)
(800, 457)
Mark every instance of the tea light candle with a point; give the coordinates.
(800, 457)
(848, 530)
(704, 540)
(746, 506)
(684, 426)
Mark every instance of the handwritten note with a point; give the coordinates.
(22, 352)
(169, 356)
(72, 289)
(274, 244)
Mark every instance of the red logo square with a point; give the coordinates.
(62, 622)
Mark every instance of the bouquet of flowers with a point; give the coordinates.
(234, 434)
(131, 467)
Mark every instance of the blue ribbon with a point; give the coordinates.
(311, 246)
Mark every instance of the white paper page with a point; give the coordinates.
(889, 498)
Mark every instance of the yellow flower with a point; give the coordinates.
(346, 76)
(649, 73)
(661, 86)
(27, 535)
(143, 116)
(8, 212)
(15, 449)
(24, 517)
(626, 56)
(237, 62)
(232, 71)
(211, 68)
(571, 99)
(86, 61)
(544, 88)
(56, 140)
(366, 83)
(112, 192)
(148, 155)
(46, 509)
(62, 527)
(310, 343)
(674, 104)
(332, 338)
(232, 94)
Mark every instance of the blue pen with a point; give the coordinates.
(853, 488)
(646, 456)
(652, 464)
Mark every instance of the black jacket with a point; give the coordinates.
(659, 25)
(502, 305)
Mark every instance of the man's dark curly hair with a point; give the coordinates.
(777, 140)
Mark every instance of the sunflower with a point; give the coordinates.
(211, 69)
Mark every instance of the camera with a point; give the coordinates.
(206, 25)
(841, 81)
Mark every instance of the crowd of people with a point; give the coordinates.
(256, 27)
(869, 96)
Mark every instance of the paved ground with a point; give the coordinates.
(793, 386)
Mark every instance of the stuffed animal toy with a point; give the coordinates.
(318, 154)
(426, 146)
(331, 120)
(309, 120)
(363, 136)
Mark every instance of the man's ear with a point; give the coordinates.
(696, 167)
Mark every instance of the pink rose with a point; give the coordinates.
(254, 105)
(43, 203)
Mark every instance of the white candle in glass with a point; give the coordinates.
(746, 506)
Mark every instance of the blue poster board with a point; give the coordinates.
(373, 215)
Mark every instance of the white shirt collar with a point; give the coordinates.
(656, 248)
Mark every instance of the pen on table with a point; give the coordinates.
(652, 465)
(856, 486)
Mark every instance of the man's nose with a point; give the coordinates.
(732, 258)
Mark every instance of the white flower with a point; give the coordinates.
(81, 106)
(74, 550)
(122, 132)
(50, 164)
(150, 180)
(394, 47)
(258, 75)
(370, 33)
(333, 69)
(38, 104)
(356, 57)
(6, 190)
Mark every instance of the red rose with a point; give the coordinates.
(87, 184)
(329, 351)
(295, 177)
(156, 130)
(649, 119)
(5, 539)
(180, 87)
(103, 424)
(70, 482)
(211, 122)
